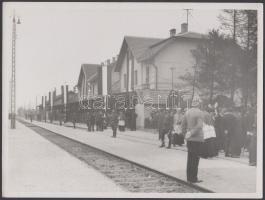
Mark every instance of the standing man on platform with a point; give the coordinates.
(166, 127)
(92, 120)
(74, 118)
(192, 129)
(160, 123)
(114, 122)
(88, 122)
(133, 120)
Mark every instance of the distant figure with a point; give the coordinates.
(133, 120)
(218, 125)
(178, 138)
(88, 121)
(170, 132)
(114, 122)
(191, 126)
(253, 144)
(121, 121)
(166, 127)
(232, 126)
(127, 116)
(74, 118)
(31, 117)
(160, 117)
(92, 120)
(60, 118)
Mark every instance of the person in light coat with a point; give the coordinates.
(191, 126)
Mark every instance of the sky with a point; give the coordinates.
(54, 39)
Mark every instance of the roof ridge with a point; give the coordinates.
(89, 64)
(130, 36)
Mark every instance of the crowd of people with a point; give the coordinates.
(234, 132)
(98, 120)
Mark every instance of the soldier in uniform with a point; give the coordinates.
(114, 122)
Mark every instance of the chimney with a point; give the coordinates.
(108, 61)
(184, 28)
(172, 32)
(113, 59)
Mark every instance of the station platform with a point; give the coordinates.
(34, 167)
(218, 174)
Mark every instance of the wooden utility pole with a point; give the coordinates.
(13, 77)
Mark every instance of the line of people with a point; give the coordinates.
(98, 120)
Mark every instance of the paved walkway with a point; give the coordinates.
(151, 137)
(219, 175)
(34, 167)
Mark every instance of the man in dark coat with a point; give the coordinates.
(166, 127)
(218, 125)
(92, 120)
(253, 143)
(31, 116)
(60, 118)
(74, 116)
(160, 117)
(114, 122)
(88, 122)
(133, 120)
(230, 124)
(170, 124)
(98, 120)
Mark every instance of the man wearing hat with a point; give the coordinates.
(191, 126)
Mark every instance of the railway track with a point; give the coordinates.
(131, 176)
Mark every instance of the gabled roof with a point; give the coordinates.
(156, 48)
(137, 45)
(87, 70)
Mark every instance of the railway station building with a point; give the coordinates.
(150, 68)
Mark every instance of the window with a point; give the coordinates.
(135, 78)
(147, 75)
(125, 80)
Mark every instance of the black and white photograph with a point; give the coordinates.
(132, 100)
